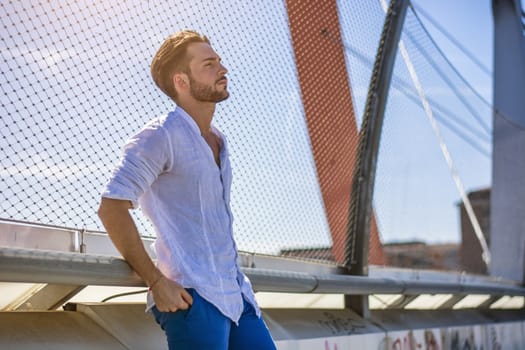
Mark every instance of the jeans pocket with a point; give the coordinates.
(191, 310)
(162, 317)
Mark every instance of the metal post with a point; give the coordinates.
(507, 218)
(358, 231)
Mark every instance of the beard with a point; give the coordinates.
(206, 93)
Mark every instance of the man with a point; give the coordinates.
(177, 169)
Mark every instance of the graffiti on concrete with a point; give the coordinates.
(341, 325)
(476, 337)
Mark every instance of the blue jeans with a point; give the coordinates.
(204, 327)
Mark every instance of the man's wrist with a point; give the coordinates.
(155, 281)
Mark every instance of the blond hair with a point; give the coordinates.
(171, 58)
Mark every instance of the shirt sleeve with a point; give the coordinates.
(145, 156)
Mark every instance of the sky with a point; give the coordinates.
(415, 196)
(471, 23)
(82, 69)
(421, 195)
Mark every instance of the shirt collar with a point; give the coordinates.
(189, 120)
(195, 127)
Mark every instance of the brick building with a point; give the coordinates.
(470, 249)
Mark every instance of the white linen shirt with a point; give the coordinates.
(169, 170)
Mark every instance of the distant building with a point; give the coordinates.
(470, 250)
(320, 253)
(376, 255)
(465, 256)
(420, 255)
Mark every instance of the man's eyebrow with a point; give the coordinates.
(216, 58)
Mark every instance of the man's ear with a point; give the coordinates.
(180, 80)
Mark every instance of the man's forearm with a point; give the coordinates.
(123, 232)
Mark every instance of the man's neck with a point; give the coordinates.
(201, 112)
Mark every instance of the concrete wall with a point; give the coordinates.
(127, 326)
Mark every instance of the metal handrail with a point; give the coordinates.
(39, 266)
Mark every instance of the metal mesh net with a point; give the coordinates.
(75, 84)
(416, 194)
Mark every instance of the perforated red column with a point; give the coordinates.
(330, 117)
